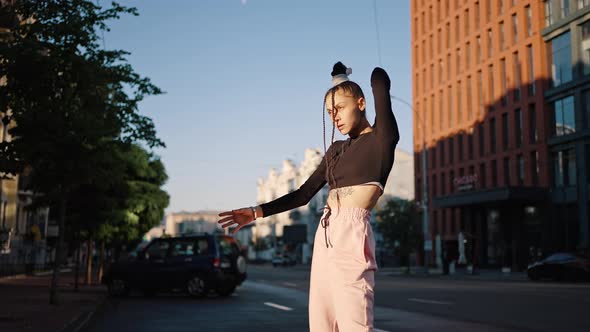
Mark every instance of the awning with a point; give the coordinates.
(497, 195)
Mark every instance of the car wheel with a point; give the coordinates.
(118, 287)
(226, 290)
(196, 286)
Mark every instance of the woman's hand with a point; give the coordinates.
(240, 217)
(379, 78)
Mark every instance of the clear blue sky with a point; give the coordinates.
(245, 79)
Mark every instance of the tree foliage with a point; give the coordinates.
(399, 222)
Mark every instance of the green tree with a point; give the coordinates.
(399, 222)
(67, 96)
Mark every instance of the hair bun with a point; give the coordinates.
(339, 68)
(340, 73)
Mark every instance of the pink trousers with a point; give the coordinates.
(342, 272)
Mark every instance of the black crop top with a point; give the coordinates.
(366, 158)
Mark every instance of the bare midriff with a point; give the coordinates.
(363, 196)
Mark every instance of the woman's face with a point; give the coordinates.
(347, 111)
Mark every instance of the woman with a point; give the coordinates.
(343, 263)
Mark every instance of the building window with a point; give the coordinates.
(439, 41)
(477, 14)
(450, 98)
(481, 140)
(478, 50)
(440, 110)
(505, 131)
(480, 92)
(448, 34)
(488, 10)
(460, 142)
(507, 171)
(433, 157)
(470, 146)
(459, 103)
(492, 135)
(533, 135)
(451, 182)
(586, 98)
(440, 71)
(469, 102)
(457, 29)
(535, 167)
(494, 173)
(451, 142)
(514, 29)
(482, 175)
(531, 70)
(520, 170)
(582, 4)
(458, 64)
(466, 22)
(448, 66)
(504, 82)
(517, 79)
(585, 45)
(491, 80)
(548, 12)
(468, 55)
(564, 121)
(502, 39)
(291, 185)
(501, 7)
(564, 168)
(565, 8)
(442, 154)
(434, 188)
(443, 183)
(490, 43)
(529, 21)
(518, 127)
(561, 65)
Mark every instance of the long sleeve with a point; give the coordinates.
(299, 197)
(385, 123)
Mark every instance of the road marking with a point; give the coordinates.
(278, 306)
(290, 284)
(378, 330)
(429, 301)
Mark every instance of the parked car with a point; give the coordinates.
(196, 263)
(561, 266)
(283, 259)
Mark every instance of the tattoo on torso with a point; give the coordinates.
(341, 192)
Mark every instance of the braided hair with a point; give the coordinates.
(341, 83)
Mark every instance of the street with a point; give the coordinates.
(276, 299)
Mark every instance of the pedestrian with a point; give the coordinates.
(341, 294)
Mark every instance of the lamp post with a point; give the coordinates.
(425, 232)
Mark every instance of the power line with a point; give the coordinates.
(377, 31)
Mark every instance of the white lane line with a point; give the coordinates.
(290, 284)
(378, 330)
(430, 301)
(278, 306)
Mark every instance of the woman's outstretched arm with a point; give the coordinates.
(297, 198)
(385, 123)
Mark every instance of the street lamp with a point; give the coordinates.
(426, 233)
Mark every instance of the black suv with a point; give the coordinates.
(196, 263)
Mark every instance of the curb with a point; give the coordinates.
(82, 321)
(37, 274)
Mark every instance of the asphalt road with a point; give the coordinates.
(275, 299)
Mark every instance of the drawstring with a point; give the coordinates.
(325, 223)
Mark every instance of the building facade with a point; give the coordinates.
(566, 33)
(481, 75)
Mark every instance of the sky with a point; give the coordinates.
(245, 81)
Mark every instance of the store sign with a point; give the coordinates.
(466, 182)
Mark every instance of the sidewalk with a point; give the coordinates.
(25, 304)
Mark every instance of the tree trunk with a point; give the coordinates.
(59, 252)
(101, 262)
(89, 249)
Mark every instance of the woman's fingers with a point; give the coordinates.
(226, 213)
(221, 221)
